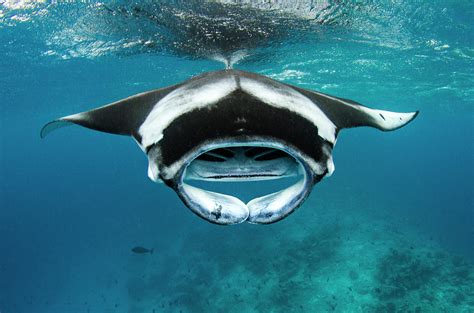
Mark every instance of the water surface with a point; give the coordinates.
(391, 231)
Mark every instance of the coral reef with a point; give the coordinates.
(345, 264)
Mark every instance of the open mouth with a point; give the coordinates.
(242, 164)
(248, 162)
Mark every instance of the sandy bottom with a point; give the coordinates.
(323, 261)
(332, 255)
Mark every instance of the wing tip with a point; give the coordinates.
(388, 121)
(412, 116)
(52, 126)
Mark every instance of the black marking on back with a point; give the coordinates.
(343, 116)
(381, 115)
(220, 121)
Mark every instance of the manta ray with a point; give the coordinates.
(232, 125)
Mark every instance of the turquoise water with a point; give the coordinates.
(391, 231)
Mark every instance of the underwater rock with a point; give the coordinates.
(400, 272)
(353, 275)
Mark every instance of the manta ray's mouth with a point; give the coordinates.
(243, 162)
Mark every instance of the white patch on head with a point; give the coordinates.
(329, 163)
(330, 166)
(317, 167)
(284, 97)
(169, 172)
(180, 101)
(153, 172)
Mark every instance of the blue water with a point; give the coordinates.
(74, 204)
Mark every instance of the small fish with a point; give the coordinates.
(141, 250)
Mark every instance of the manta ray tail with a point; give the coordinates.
(122, 117)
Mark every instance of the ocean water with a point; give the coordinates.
(392, 230)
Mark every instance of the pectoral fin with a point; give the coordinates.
(123, 117)
(346, 113)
